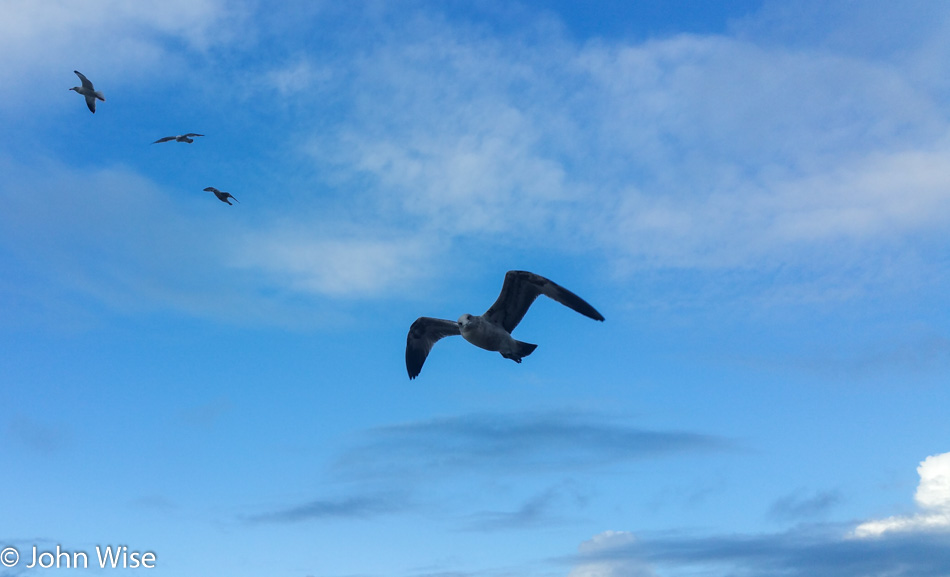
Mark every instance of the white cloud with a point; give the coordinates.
(117, 236)
(690, 151)
(728, 172)
(24, 20)
(109, 40)
(454, 131)
(933, 492)
(334, 266)
(470, 183)
(600, 546)
(932, 497)
(874, 200)
(709, 152)
(296, 76)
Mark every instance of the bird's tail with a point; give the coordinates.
(100, 95)
(524, 349)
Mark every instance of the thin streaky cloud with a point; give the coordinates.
(542, 510)
(519, 443)
(803, 506)
(816, 551)
(358, 507)
(35, 435)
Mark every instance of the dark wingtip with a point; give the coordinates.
(414, 360)
(583, 307)
(413, 366)
(413, 372)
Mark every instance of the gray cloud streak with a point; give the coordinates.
(359, 507)
(810, 552)
(800, 506)
(513, 444)
(534, 512)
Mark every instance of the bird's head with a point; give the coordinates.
(76, 88)
(465, 320)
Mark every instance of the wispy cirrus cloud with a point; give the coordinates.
(513, 444)
(532, 513)
(800, 505)
(661, 153)
(352, 507)
(105, 38)
(35, 435)
(541, 510)
(656, 154)
(406, 466)
(336, 265)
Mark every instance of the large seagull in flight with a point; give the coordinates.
(492, 330)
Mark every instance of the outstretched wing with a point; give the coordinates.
(91, 103)
(166, 139)
(227, 194)
(424, 333)
(190, 134)
(521, 288)
(84, 80)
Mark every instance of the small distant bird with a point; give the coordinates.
(180, 138)
(88, 91)
(492, 330)
(222, 196)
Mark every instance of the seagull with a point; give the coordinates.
(180, 138)
(88, 91)
(492, 330)
(222, 196)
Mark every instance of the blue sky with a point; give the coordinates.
(756, 195)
